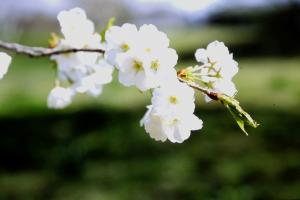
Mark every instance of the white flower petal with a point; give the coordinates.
(60, 97)
(153, 125)
(5, 61)
(151, 38)
(201, 55)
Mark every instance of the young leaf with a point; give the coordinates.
(238, 113)
(109, 24)
(238, 120)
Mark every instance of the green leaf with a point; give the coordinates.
(238, 120)
(109, 24)
(241, 117)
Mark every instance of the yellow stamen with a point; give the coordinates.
(125, 47)
(155, 65)
(173, 100)
(137, 65)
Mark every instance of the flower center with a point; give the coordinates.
(125, 47)
(174, 121)
(155, 65)
(137, 66)
(173, 100)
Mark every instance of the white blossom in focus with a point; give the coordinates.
(217, 69)
(120, 40)
(5, 61)
(217, 56)
(60, 97)
(173, 96)
(162, 63)
(133, 67)
(171, 114)
(151, 39)
(142, 56)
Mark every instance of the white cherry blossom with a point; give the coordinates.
(171, 114)
(5, 61)
(173, 96)
(151, 39)
(85, 72)
(60, 97)
(217, 69)
(120, 40)
(93, 83)
(175, 127)
(142, 56)
(217, 59)
(162, 63)
(133, 69)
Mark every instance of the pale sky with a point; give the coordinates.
(190, 6)
(184, 5)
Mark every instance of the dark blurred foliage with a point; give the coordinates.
(106, 150)
(278, 29)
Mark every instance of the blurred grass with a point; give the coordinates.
(190, 39)
(95, 149)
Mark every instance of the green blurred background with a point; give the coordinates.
(95, 149)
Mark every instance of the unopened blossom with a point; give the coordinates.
(60, 97)
(5, 61)
(171, 114)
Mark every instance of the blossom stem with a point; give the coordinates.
(212, 95)
(41, 51)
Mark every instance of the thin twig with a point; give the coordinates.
(212, 95)
(41, 51)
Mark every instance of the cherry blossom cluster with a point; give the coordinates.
(82, 72)
(143, 59)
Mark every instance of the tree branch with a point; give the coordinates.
(212, 95)
(41, 51)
